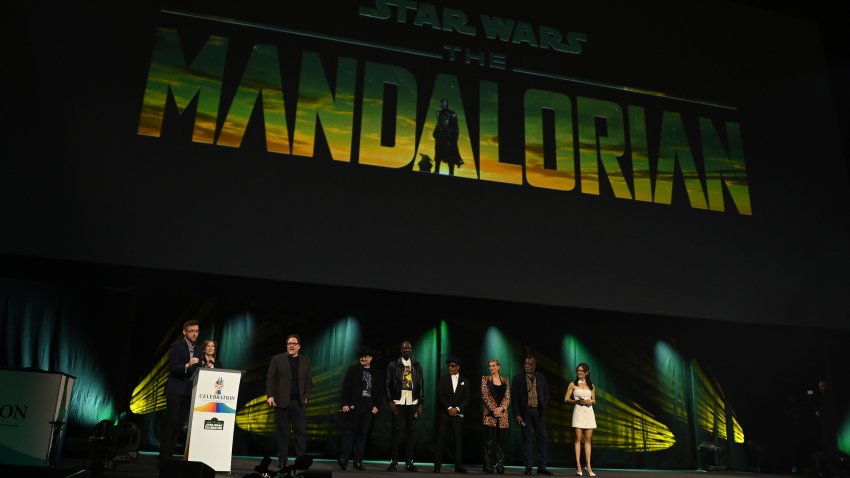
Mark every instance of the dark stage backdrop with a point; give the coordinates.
(648, 157)
(664, 384)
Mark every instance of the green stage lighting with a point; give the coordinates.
(497, 346)
(668, 384)
(844, 435)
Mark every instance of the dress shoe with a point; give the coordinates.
(393, 466)
(488, 469)
(578, 471)
(460, 469)
(342, 464)
(436, 468)
(409, 466)
(358, 465)
(527, 470)
(589, 472)
(544, 471)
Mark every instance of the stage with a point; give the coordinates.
(145, 467)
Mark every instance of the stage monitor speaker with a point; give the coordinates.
(186, 469)
(712, 456)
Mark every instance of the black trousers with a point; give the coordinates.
(295, 415)
(534, 438)
(456, 425)
(176, 411)
(403, 420)
(494, 446)
(355, 431)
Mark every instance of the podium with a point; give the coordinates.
(33, 406)
(212, 419)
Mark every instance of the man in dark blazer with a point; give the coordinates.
(530, 398)
(453, 398)
(184, 357)
(289, 382)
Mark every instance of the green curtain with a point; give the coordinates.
(40, 331)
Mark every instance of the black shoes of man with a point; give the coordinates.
(343, 464)
(409, 466)
(540, 471)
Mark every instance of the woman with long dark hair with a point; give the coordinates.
(582, 394)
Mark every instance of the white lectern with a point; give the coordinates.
(33, 406)
(213, 417)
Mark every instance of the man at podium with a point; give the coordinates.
(184, 357)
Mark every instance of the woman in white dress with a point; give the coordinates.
(582, 394)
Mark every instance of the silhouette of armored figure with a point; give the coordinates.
(445, 139)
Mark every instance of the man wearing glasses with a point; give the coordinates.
(183, 358)
(289, 382)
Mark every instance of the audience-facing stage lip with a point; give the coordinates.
(145, 466)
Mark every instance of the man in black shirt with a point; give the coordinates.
(289, 382)
(360, 399)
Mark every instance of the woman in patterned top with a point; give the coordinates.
(495, 397)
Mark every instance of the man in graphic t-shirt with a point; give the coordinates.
(405, 395)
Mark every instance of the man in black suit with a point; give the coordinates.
(183, 358)
(531, 397)
(453, 397)
(289, 382)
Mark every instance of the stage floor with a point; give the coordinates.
(145, 467)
